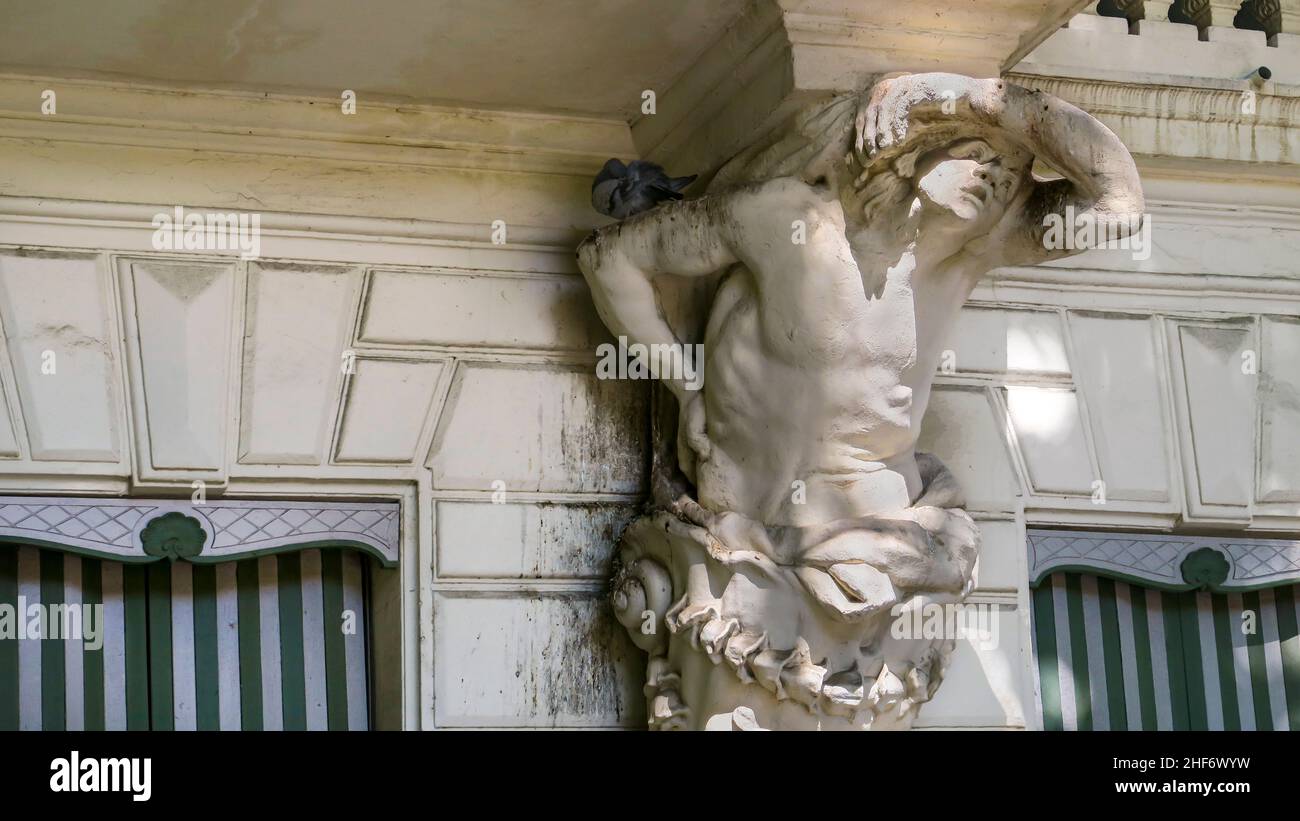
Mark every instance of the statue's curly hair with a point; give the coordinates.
(819, 146)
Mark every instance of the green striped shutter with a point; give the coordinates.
(258, 643)
(1111, 655)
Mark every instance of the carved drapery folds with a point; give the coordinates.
(813, 635)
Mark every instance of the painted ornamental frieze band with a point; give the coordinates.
(144, 530)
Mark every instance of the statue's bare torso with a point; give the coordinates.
(847, 347)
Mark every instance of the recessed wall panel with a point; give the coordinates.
(182, 318)
(58, 335)
(517, 540)
(542, 428)
(1218, 384)
(960, 428)
(549, 661)
(1279, 396)
(1001, 549)
(298, 324)
(1005, 340)
(387, 404)
(1117, 369)
(8, 442)
(1049, 430)
(464, 310)
(984, 685)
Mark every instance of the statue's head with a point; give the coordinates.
(968, 185)
(942, 191)
(953, 185)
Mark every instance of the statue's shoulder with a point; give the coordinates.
(816, 133)
(774, 203)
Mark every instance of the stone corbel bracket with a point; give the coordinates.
(782, 54)
(1175, 563)
(149, 530)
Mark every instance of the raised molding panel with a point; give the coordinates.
(1001, 553)
(983, 683)
(180, 333)
(8, 442)
(386, 407)
(1184, 241)
(473, 310)
(1000, 340)
(1049, 433)
(1279, 408)
(1214, 385)
(1157, 559)
(1182, 412)
(541, 428)
(299, 322)
(1118, 370)
(54, 310)
(528, 540)
(11, 436)
(112, 528)
(534, 661)
(961, 429)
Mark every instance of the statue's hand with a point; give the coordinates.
(692, 440)
(900, 108)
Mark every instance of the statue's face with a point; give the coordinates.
(968, 182)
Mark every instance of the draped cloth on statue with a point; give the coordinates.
(804, 614)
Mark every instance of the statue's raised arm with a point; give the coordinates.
(1100, 181)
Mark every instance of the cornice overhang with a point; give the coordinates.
(783, 53)
(244, 122)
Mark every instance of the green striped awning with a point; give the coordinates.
(273, 642)
(1115, 655)
(1165, 631)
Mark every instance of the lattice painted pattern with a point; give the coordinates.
(112, 528)
(1158, 560)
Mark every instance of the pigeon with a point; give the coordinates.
(620, 190)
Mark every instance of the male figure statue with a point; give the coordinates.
(837, 255)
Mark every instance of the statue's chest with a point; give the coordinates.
(814, 324)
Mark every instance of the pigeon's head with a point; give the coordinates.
(604, 196)
(613, 169)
